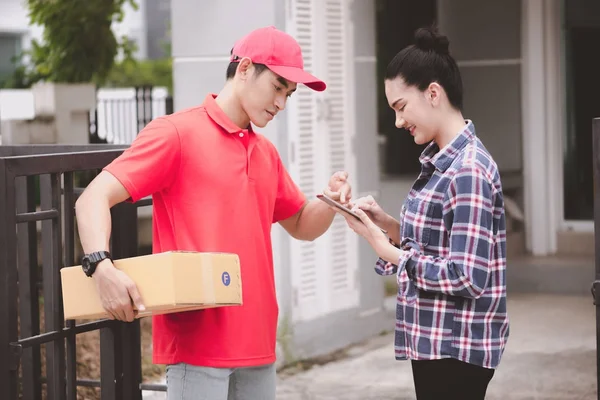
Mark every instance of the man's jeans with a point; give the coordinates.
(187, 382)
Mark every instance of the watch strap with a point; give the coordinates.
(93, 259)
(98, 256)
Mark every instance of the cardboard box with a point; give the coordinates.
(168, 282)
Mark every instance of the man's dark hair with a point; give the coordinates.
(232, 67)
(427, 61)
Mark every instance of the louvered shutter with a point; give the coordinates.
(336, 67)
(323, 272)
(309, 289)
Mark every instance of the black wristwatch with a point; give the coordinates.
(89, 262)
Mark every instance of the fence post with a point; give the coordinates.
(120, 345)
(9, 361)
(124, 245)
(29, 308)
(596, 284)
(50, 197)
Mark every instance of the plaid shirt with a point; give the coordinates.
(452, 277)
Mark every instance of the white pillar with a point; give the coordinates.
(534, 128)
(541, 94)
(555, 118)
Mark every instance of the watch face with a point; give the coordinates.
(85, 264)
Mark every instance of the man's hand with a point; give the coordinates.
(117, 291)
(338, 188)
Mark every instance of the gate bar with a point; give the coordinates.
(596, 284)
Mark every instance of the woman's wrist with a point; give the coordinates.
(389, 252)
(390, 224)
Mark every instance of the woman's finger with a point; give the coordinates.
(363, 206)
(363, 217)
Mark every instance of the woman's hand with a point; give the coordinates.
(365, 227)
(373, 211)
(373, 234)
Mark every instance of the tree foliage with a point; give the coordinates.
(130, 72)
(78, 42)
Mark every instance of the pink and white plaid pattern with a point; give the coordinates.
(452, 277)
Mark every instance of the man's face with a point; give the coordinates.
(264, 95)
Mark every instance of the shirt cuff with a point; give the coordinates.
(383, 267)
(411, 249)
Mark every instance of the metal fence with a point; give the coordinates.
(40, 184)
(596, 284)
(122, 112)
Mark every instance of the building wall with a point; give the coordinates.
(199, 68)
(15, 34)
(134, 26)
(13, 16)
(158, 20)
(485, 40)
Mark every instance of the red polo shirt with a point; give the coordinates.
(215, 187)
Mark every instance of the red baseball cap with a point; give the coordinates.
(278, 51)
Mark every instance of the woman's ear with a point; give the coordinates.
(434, 93)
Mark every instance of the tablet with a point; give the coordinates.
(335, 204)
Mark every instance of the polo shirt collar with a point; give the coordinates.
(219, 117)
(442, 159)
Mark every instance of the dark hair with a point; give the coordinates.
(232, 67)
(426, 61)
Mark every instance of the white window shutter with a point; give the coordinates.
(309, 289)
(321, 133)
(336, 68)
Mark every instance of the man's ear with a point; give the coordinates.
(433, 93)
(244, 68)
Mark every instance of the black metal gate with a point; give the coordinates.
(40, 184)
(596, 284)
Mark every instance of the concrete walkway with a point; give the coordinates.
(550, 355)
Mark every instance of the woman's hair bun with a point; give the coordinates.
(428, 39)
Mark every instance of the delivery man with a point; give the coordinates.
(217, 186)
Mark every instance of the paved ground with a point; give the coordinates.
(550, 356)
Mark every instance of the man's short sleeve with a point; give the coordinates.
(289, 197)
(151, 163)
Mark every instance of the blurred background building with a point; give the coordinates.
(530, 82)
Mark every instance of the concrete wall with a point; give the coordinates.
(201, 43)
(490, 65)
(199, 68)
(134, 26)
(158, 26)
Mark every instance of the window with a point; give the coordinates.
(397, 21)
(10, 46)
(582, 33)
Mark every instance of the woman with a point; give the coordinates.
(448, 248)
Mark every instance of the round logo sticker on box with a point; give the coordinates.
(226, 278)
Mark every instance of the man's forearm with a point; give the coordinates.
(93, 223)
(314, 220)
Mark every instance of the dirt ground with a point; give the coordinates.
(88, 359)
